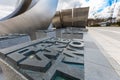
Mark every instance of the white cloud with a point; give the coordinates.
(117, 7)
(107, 11)
(68, 4)
(94, 5)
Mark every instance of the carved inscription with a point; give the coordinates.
(50, 59)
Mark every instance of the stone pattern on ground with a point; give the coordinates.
(48, 59)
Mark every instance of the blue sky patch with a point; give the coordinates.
(87, 0)
(100, 10)
(117, 0)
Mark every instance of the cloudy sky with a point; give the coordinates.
(98, 8)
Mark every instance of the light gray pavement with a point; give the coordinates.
(97, 67)
(108, 40)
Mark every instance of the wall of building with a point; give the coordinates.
(76, 17)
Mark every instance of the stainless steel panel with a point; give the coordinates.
(38, 17)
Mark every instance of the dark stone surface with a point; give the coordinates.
(15, 58)
(47, 58)
(11, 40)
(36, 64)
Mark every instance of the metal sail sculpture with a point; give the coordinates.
(29, 16)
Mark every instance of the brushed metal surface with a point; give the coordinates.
(37, 17)
(21, 7)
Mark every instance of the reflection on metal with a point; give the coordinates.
(34, 14)
(76, 17)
